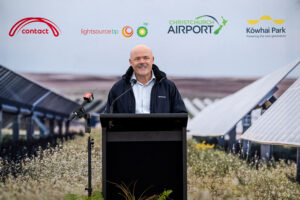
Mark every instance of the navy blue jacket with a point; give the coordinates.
(165, 97)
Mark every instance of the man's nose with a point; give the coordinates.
(142, 60)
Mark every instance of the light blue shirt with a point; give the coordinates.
(142, 94)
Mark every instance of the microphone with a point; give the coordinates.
(88, 98)
(113, 102)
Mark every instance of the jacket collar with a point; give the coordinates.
(157, 73)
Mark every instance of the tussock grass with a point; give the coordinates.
(55, 172)
(61, 173)
(215, 174)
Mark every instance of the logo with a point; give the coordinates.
(265, 27)
(20, 26)
(205, 24)
(265, 17)
(127, 31)
(142, 31)
(99, 31)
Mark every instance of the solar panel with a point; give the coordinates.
(199, 103)
(16, 90)
(220, 117)
(93, 106)
(56, 103)
(280, 124)
(101, 109)
(207, 101)
(190, 107)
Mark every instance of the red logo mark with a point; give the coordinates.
(23, 22)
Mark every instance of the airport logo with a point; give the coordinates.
(126, 31)
(21, 26)
(204, 24)
(265, 27)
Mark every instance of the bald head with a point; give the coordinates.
(140, 48)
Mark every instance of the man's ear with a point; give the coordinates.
(130, 61)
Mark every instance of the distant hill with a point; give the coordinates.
(74, 86)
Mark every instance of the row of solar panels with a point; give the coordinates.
(96, 107)
(279, 125)
(196, 105)
(18, 92)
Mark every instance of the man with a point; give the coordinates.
(144, 88)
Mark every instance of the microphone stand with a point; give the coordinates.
(87, 118)
(79, 113)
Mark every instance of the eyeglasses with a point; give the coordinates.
(145, 58)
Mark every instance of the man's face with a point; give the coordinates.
(141, 60)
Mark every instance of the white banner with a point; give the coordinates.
(189, 38)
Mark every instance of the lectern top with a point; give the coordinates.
(138, 122)
(152, 115)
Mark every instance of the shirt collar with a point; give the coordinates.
(133, 77)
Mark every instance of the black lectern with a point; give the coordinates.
(146, 149)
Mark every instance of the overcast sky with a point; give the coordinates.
(231, 53)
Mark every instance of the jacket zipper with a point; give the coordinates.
(152, 98)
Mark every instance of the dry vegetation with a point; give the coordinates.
(55, 172)
(212, 174)
(215, 174)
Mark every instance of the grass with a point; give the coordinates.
(128, 193)
(215, 174)
(97, 195)
(55, 172)
(61, 173)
